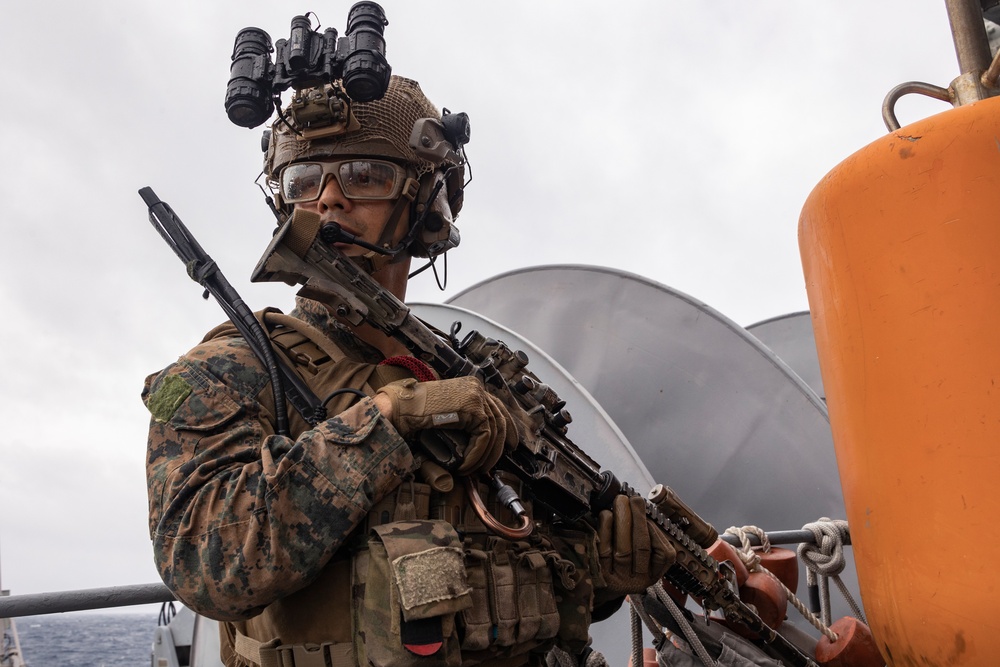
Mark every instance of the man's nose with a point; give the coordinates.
(331, 196)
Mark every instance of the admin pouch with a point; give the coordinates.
(412, 582)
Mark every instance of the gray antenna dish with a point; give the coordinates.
(791, 338)
(712, 411)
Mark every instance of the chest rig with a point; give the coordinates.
(422, 582)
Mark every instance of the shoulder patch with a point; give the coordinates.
(163, 402)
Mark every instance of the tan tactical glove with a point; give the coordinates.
(458, 404)
(632, 552)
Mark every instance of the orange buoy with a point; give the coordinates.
(900, 247)
(855, 646)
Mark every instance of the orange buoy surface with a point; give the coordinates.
(900, 247)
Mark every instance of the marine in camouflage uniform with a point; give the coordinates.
(334, 544)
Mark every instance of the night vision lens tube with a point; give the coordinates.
(248, 95)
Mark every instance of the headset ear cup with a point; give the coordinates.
(437, 233)
(456, 189)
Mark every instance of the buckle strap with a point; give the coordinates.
(272, 654)
(259, 653)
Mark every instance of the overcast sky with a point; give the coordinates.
(675, 140)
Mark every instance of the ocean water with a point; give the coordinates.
(87, 639)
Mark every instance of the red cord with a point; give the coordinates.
(421, 371)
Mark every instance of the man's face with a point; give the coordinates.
(364, 218)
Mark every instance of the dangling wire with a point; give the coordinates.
(423, 268)
(432, 264)
(281, 116)
(344, 390)
(444, 272)
(465, 161)
(269, 199)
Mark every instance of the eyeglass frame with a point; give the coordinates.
(331, 168)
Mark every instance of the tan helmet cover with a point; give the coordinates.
(385, 131)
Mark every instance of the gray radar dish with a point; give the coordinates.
(712, 411)
(791, 338)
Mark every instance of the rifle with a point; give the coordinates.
(560, 476)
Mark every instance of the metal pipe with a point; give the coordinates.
(780, 537)
(90, 598)
(972, 46)
(989, 78)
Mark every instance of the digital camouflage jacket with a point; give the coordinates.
(241, 517)
(277, 535)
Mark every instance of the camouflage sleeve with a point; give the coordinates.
(240, 517)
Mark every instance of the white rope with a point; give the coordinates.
(636, 625)
(825, 560)
(652, 625)
(689, 634)
(752, 561)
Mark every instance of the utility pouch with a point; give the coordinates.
(476, 620)
(503, 587)
(414, 587)
(538, 616)
(575, 588)
(522, 600)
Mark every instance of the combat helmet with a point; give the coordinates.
(403, 127)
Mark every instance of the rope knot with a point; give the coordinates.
(826, 557)
(746, 551)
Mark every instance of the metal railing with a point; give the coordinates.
(90, 598)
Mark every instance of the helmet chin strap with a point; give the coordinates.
(374, 260)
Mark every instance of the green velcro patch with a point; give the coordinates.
(163, 402)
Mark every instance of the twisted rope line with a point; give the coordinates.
(752, 561)
(636, 626)
(689, 634)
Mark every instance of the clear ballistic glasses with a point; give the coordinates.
(358, 179)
